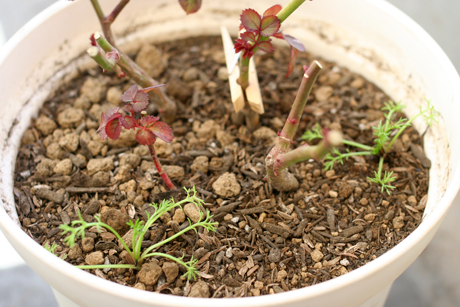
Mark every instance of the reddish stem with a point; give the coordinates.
(160, 170)
(106, 21)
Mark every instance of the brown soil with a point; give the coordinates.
(266, 241)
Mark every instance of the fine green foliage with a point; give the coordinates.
(383, 182)
(315, 133)
(52, 250)
(78, 227)
(386, 133)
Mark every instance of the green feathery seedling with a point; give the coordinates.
(385, 133)
(52, 250)
(139, 229)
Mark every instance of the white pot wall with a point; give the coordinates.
(397, 55)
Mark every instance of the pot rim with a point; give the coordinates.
(380, 263)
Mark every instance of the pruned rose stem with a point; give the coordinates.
(280, 158)
(99, 58)
(243, 80)
(289, 9)
(106, 21)
(166, 106)
(160, 169)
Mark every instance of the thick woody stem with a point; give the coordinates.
(280, 178)
(166, 106)
(159, 168)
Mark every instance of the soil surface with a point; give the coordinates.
(266, 242)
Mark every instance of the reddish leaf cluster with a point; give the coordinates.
(257, 30)
(149, 127)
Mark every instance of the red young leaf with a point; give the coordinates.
(138, 98)
(110, 124)
(129, 95)
(266, 46)
(294, 53)
(163, 131)
(113, 129)
(250, 19)
(190, 6)
(145, 137)
(93, 40)
(296, 46)
(101, 129)
(273, 10)
(248, 37)
(140, 102)
(245, 47)
(291, 40)
(128, 122)
(148, 120)
(128, 108)
(269, 25)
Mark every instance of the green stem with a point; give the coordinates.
(292, 122)
(106, 21)
(357, 153)
(118, 237)
(97, 56)
(306, 152)
(357, 145)
(289, 9)
(169, 257)
(380, 167)
(387, 148)
(244, 73)
(283, 180)
(105, 266)
(190, 227)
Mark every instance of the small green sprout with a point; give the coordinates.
(139, 229)
(386, 133)
(383, 182)
(315, 133)
(52, 250)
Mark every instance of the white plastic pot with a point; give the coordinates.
(370, 37)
